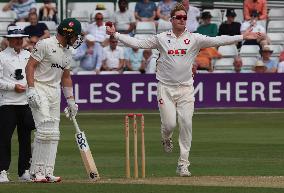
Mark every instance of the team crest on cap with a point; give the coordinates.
(71, 24)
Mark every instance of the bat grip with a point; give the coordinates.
(76, 124)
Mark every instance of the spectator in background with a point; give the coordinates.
(193, 15)
(124, 19)
(230, 27)
(90, 55)
(134, 60)
(145, 10)
(207, 28)
(238, 64)
(281, 63)
(271, 65)
(48, 11)
(164, 9)
(259, 67)
(97, 29)
(37, 31)
(21, 7)
(256, 27)
(204, 58)
(113, 59)
(100, 7)
(259, 6)
(150, 60)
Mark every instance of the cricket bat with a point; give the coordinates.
(85, 152)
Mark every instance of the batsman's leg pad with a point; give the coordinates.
(45, 148)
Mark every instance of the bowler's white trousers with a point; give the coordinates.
(177, 101)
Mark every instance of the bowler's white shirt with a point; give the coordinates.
(53, 58)
(177, 54)
(9, 62)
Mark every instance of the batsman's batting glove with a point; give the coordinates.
(33, 98)
(72, 108)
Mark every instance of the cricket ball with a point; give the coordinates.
(109, 23)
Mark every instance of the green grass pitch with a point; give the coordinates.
(225, 143)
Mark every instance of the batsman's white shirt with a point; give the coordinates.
(177, 54)
(9, 62)
(53, 58)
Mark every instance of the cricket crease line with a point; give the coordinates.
(221, 181)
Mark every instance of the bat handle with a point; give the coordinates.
(76, 124)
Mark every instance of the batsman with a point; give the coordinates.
(47, 71)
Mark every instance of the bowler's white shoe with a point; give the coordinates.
(3, 176)
(168, 145)
(182, 171)
(50, 178)
(39, 178)
(26, 177)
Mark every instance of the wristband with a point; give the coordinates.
(68, 92)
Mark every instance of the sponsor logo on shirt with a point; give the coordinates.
(177, 52)
(186, 41)
(34, 50)
(57, 66)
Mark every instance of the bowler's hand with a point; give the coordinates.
(110, 30)
(72, 108)
(33, 98)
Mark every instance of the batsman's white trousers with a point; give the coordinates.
(47, 133)
(50, 104)
(172, 101)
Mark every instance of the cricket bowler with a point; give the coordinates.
(175, 93)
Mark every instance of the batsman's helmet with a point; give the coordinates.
(69, 28)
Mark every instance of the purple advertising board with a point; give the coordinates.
(130, 91)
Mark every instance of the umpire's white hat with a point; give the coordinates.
(15, 32)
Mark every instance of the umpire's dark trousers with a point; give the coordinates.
(12, 116)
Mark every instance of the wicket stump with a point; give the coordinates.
(135, 131)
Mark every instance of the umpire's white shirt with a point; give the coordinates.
(9, 62)
(177, 54)
(53, 58)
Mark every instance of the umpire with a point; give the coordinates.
(14, 109)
